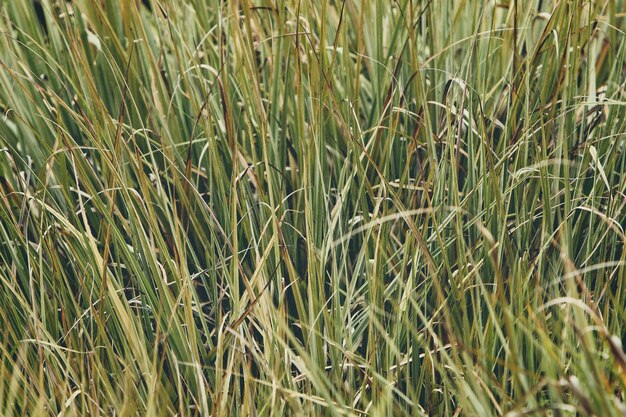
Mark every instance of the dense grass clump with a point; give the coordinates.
(312, 208)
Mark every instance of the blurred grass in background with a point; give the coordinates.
(321, 208)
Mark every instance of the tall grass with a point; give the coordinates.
(320, 208)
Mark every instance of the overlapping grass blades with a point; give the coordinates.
(312, 207)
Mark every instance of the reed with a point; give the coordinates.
(312, 208)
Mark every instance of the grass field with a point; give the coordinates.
(313, 208)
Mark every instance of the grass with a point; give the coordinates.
(312, 208)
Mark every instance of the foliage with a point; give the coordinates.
(326, 207)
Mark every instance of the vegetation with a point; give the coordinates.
(312, 208)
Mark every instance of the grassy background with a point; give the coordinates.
(322, 208)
